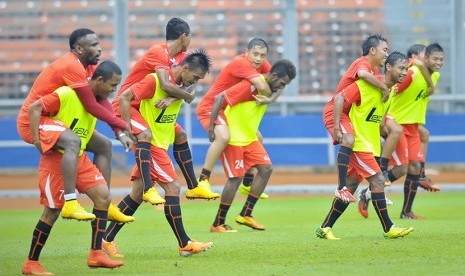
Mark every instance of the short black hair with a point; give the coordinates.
(77, 34)
(198, 59)
(257, 42)
(433, 47)
(175, 28)
(393, 58)
(415, 49)
(283, 68)
(106, 69)
(372, 40)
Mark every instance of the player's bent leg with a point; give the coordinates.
(100, 146)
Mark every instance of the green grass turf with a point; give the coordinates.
(287, 247)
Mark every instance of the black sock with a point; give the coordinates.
(220, 218)
(410, 191)
(205, 174)
(343, 159)
(143, 162)
(127, 207)
(39, 237)
(392, 177)
(337, 208)
(183, 156)
(379, 202)
(249, 205)
(383, 163)
(174, 218)
(422, 170)
(248, 179)
(98, 228)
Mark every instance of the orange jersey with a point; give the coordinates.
(66, 70)
(156, 57)
(235, 71)
(350, 76)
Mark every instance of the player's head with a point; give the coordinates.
(256, 52)
(416, 51)
(281, 74)
(396, 66)
(85, 44)
(105, 79)
(194, 67)
(375, 48)
(178, 29)
(434, 57)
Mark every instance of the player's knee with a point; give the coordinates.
(222, 134)
(72, 143)
(377, 183)
(424, 135)
(50, 215)
(348, 140)
(396, 130)
(181, 137)
(145, 135)
(172, 189)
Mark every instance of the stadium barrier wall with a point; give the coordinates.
(294, 140)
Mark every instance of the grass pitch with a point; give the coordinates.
(287, 247)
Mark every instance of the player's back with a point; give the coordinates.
(350, 76)
(66, 70)
(238, 69)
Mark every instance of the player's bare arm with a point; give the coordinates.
(35, 111)
(217, 104)
(337, 111)
(171, 89)
(261, 85)
(370, 78)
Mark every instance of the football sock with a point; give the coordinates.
(337, 208)
(98, 228)
(221, 215)
(39, 237)
(174, 218)
(205, 174)
(249, 205)
(143, 162)
(343, 158)
(379, 202)
(127, 207)
(392, 177)
(422, 170)
(183, 156)
(69, 197)
(383, 163)
(410, 191)
(248, 178)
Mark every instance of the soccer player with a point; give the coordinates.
(161, 122)
(374, 52)
(366, 113)
(159, 59)
(244, 149)
(73, 69)
(249, 66)
(408, 107)
(64, 105)
(393, 137)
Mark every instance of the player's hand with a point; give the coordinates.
(127, 142)
(191, 94)
(337, 135)
(38, 146)
(211, 134)
(261, 99)
(429, 91)
(164, 103)
(385, 91)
